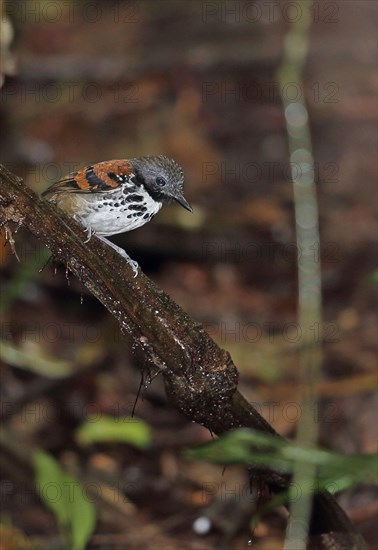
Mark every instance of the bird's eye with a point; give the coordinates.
(160, 181)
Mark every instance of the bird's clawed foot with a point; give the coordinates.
(132, 263)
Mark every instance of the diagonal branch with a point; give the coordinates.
(200, 378)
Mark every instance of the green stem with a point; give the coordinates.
(296, 47)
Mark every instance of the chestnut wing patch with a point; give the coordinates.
(100, 178)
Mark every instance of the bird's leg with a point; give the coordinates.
(132, 263)
(90, 232)
(88, 229)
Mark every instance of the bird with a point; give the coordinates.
(116, 196)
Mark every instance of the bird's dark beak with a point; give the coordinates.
(182, 200)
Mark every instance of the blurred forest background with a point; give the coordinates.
(92, 81)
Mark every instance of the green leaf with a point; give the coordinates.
(255, 449)
(64, 496)
(83, 516)
(121, 429)
(34, 362)
(50, 479)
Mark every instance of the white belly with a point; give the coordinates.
(113, 217)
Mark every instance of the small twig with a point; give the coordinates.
(9, 238)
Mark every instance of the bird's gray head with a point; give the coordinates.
(162, 177)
